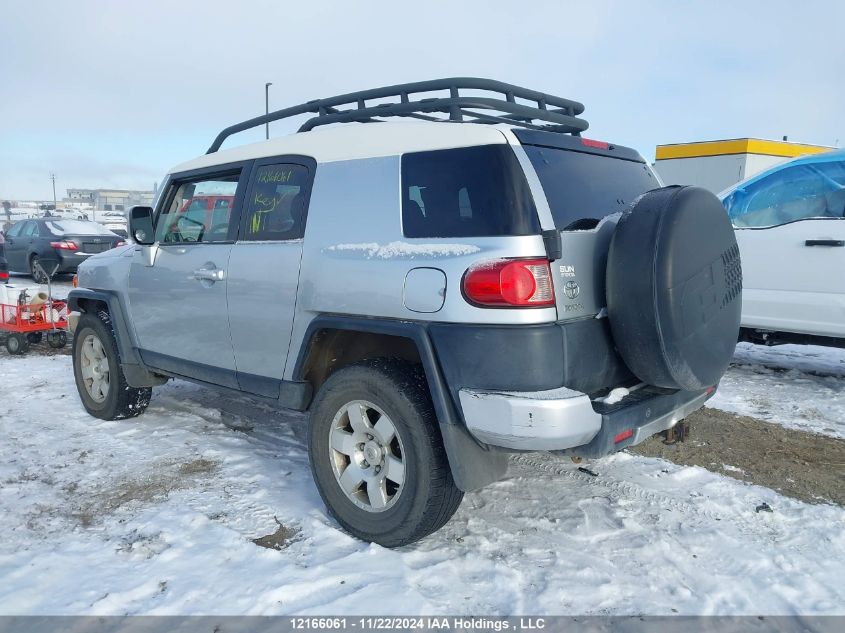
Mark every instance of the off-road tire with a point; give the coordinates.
(122, 401)
(17, 344)
(429, 496)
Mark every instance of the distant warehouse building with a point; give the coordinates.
(110, 199)
(716, 165)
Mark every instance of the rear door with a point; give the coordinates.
(16, 245)
(584, 181)
(177, 287)
(264, 270)
(791, 234)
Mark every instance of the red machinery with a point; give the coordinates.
(27, 323)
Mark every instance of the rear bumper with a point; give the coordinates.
(568, 421)
(540, 420)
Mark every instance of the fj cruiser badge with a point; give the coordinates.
(571, 289)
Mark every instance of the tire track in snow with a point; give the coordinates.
(626, 490)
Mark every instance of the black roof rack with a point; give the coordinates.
(555, 114)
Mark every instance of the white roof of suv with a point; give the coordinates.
(362, 140)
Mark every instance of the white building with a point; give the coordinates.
(716, 165)
(108, 199)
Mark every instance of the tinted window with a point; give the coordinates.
(190, 215)
(582, 188)
(30, 230)
(15, 229)
(815, 190)
(466, 192)
(276, 204)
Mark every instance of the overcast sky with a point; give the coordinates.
(112, 94)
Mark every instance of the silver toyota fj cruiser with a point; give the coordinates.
(436, 293)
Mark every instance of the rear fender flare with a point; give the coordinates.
(473, 465)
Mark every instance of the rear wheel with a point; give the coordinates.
(36, 271)
(17, 344)
(377, 455)
(100, 381)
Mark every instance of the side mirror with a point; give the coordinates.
(141, 225)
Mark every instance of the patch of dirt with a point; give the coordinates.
(798, 464)
(278, 540)
(198, 467)
(164, 478)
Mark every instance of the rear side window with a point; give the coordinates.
(466, 192)
(276, 204)
(583, 188)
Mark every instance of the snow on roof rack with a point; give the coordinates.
(556, 113)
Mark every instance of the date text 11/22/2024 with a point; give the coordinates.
(417, 623)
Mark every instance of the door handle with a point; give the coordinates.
(824, 243)
(209, 274)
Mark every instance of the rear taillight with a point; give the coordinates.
(510, 282)
(120, 243)
(4, 276)
(64, 245)
(75, 281)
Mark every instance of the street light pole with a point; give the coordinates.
(53, 178)
(267, 108)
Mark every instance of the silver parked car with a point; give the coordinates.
(437, 294)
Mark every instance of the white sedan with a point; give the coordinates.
(790, 227)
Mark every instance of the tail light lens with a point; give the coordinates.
(64, 245)
(120, 243)
(510, 282)
(75, 281)
(624, 435)
(588, 142)
(4, 275)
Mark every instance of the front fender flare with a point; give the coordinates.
(136, 373)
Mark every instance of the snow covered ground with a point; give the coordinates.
(158, 516)
(798, 386)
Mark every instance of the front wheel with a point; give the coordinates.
(99, 378)
(377, 454)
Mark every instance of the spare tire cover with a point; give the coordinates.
(674, 288)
